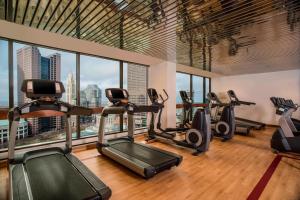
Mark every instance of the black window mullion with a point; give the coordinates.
(78, 93)
(204, 89)
(121, 65)
(191, 86)
(191, 93)
(209, 84)
(10, 75)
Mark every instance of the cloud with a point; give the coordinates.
(103, 72)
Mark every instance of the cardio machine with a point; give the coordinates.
(197, 137)
(223, 125)
(143, 159)
(291, 104)
(241, 129)
(286, 138)
(49, 173)
(187, 109)
(236, 102)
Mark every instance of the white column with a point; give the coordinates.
(163, 76)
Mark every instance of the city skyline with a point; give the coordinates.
(107, 78)
(103, 72)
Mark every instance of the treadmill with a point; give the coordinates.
(215, 102)
(234, 100)
(143, 159)
(49, 173)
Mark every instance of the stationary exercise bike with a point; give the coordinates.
(223, 123)
(197, 137)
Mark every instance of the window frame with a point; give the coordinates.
(10, 53)
(204, 84)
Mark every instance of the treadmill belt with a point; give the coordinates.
(142, 153)
(54, 177)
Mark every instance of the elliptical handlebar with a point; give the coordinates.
(166, 94)
(162, 98)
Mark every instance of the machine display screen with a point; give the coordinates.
(44, 88)
(117, 94)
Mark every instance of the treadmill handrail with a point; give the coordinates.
(43, 108)
(235, 100)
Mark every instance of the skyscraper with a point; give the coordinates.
(45, 68)
(93, 95)
(28, 64)
(136, 83)
(136, 86)
(31, 65)
(55, 67)
(54, 74)
(70, 89)
(28, 67)
(71, 95)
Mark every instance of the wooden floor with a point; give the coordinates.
(229, 170)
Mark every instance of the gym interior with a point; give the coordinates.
(153, 99)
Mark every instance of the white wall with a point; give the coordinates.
(259, 88)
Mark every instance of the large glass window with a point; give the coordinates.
(200, 87)
(182, 83)
(4, 73)
(4, 91)
(34, 62)
(135, 81)
(97, 74)
(198, 92)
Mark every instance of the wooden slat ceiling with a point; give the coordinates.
(189, 32)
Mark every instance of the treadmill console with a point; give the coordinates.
(116, 95)
(37, 89)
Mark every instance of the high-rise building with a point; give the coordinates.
(22, 131)
(136, 83)
(45, 68)
(28, 64)
(136, 86)
(55, 67)
(28, 67)
(71, 89)
(90, 97)
(45, 122)
(71, 95)
(31, 65)
(54, 74)
(93, 95)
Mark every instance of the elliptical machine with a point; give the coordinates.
(287, 137)
(197, 137)
(224, 125)
(187, 109)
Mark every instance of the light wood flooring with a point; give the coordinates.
(229, 170)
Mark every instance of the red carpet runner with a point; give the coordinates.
(260, 186)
